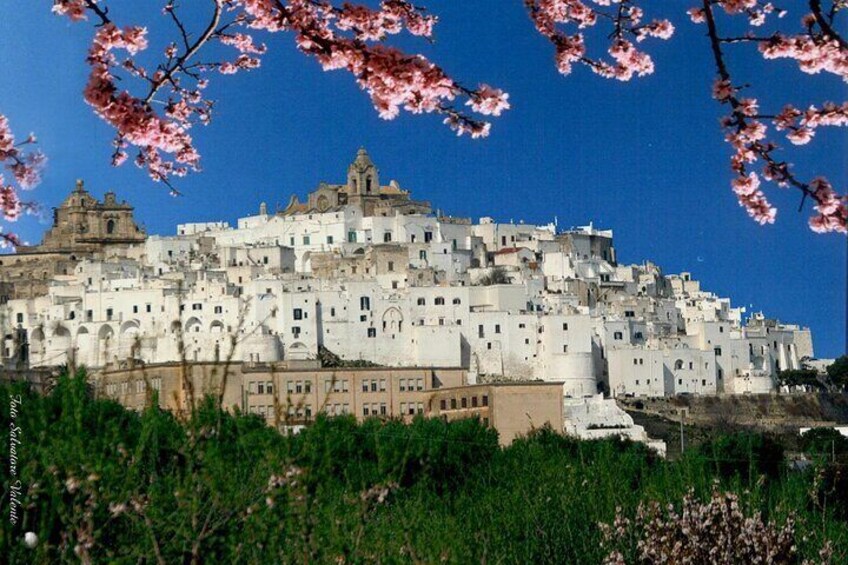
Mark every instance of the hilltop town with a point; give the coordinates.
(417, 313)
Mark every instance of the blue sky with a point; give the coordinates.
(644, 158)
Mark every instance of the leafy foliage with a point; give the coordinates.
(838, 372)
(103, 484)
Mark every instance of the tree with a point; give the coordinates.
(353, 37)
(838, 372)
(799, 377)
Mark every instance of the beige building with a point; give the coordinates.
(514, 409)
(287, 396)
(83, 227)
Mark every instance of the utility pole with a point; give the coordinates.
(682, 446)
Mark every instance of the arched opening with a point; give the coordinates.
(193, 325)
(110, 227)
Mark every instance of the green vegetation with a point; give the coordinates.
(838, 372)
(102, 484)
(797, 377)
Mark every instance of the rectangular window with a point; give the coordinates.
(108, 313)
(485, 400)
(464, 402)
(260, 388)
(453, 403)
(497, 328)
(372, 332)
(387, 236)
(565, 327)
(351, 236)
(474, 402)
(298, 314)
(329, 240)
(135, 309)
(402, 385)
(428, 236)
(364, 386)
(443, 404)
(391, 265)
(422, 255)
(306, 240)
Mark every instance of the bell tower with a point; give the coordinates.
(363, 179)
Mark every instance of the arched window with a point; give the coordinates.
(110, 226)
(368, 185)
(678, 365)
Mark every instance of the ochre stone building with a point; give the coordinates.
(83, 227)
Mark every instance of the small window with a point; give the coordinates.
(457, 301)
(421, 302)
(298, 314)
(440, 301)
(372, 332)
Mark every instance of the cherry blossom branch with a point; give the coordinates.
(550, 17)
(348, 36)
(26, 172)
(747, 134)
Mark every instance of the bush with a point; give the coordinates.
(745, 455)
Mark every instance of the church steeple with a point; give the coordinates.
(362, 175)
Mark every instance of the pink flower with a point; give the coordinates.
(489, 101)
(722, 90)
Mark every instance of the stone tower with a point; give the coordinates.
(362, 175)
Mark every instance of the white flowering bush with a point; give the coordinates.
(717, 532)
